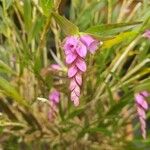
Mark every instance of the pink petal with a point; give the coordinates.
(67, 51)
(141, 101)
(55, 67)
(141, 112)
(78, 78)
(70, 58)
(76, 102)
(145, 93)
(80, 63)
(93, 47)
(73, 84)
(72, 71)
(74, 96)
(54, 96)
(87, 40)
(147, 34)
(70, 43)
(144, 134)
(81, 50)
(142, 122)
(90, 42)
(77, 90)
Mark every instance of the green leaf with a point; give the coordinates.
(68, 27)
(112, 101)
(75, 113)
(35, 29)
(116, 108)
(7, 3)
(27, 14)
(85, 17)
(47, 6)
(5, 68)
(98, 129)
(118, 39)
(110, 29)
(10, 91)
(143, 86)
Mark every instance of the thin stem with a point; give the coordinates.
(109, 11)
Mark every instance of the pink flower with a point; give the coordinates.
(76, 49)
(147, 34)
(90, 42)
(70, 44)
(142, 106)
(55, 67)
(54, 98)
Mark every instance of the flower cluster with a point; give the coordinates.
(76, 49)
(142, 106)
(54, 98)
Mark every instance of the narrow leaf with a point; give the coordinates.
(98, 129)
(110, 29)
(5, 68)
(75, 113)
(118, 39)
(10, 91)
(68, 27)
(47, 6)
(27, 14)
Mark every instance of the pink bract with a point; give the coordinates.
(141, 100)
(142, 106)
(72, 71)
(70, 58)
(54, 96)
(81, 50)
(81, 65)
(90, 42)
(147, 34)
(70, 44)
(55, 67)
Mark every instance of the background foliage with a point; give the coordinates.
(31, 33)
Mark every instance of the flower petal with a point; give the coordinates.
(78, 78)
(147, 34)
(93, 47)
(72, 71)
(87, 40)
(77, 90)
(54, 96)
(70, 43)
(141, 112)
(80, 63)
(73, 84)
(90, 42)
(143, 123)
(81, 50)
(141, 101)
(70, 58)
(74, 96)
(55, 67)
(145, 93)
(76, 102)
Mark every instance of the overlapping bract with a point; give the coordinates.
(142, 107)
(147, 34)
(76, 49)
(55, 67)
(54, 98)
